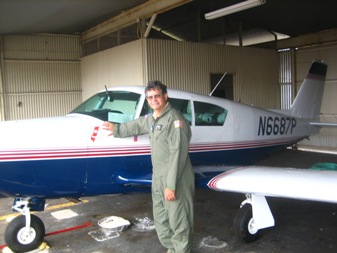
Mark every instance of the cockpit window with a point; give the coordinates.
(114, 106)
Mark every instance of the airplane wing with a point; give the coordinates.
(305, 184)
(203, 174)
(258, 182)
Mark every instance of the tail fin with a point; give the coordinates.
(307, 103)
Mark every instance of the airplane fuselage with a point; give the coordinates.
(73, 156)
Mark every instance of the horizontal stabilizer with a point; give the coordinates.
(323, 124)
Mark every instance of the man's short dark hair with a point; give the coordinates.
(156, 85)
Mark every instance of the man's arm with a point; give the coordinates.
(135, 127)
(178, 142)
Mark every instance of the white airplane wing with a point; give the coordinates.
(305, 184)
(258, 182)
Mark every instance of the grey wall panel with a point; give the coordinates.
(42, 47)
(41, 75)
(118, 66)
(28, 106)
(188, 66)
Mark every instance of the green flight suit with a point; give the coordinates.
(169, 139)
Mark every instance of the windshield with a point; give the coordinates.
(113, 106)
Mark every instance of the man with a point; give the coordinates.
(172, 177)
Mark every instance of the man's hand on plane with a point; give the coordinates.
(109, 127)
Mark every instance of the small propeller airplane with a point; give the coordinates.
(73, 156)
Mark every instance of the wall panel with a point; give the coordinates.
(29, 106)
(41, 75)
(118, 66)
(188, 66)
(42, 47)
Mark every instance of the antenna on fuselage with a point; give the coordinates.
(110, 97)
(216, 86)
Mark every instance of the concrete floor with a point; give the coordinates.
(301, 226)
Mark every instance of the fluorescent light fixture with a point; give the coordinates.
(234, 8)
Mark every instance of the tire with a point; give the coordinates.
(241, 225)
(14, 234)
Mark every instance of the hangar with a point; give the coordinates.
(58, 53)
(55, 54)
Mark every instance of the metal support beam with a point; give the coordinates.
(149, 27)
(130, 17)
(307, 40)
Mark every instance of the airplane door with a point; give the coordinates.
(113, 161)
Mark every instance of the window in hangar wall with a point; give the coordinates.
(224, 89)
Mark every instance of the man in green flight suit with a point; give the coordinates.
(173, 177)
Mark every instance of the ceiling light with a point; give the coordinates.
(234, 8)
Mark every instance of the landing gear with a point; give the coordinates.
(254, 215)
(243, 225)
(25, 232)
(20, 238)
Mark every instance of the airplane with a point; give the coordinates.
(73, 156)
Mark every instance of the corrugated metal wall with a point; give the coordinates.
(285, 79)
(326, 140)
(188, 65)
(41, 75)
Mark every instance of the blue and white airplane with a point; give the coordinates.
(73, 156)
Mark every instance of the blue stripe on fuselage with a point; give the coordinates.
(94, 176)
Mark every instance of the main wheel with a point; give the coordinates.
(242, 225)
(17, 238)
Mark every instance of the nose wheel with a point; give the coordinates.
(20, 238)
(25, 232)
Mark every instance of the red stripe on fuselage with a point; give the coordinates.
(68, 153)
